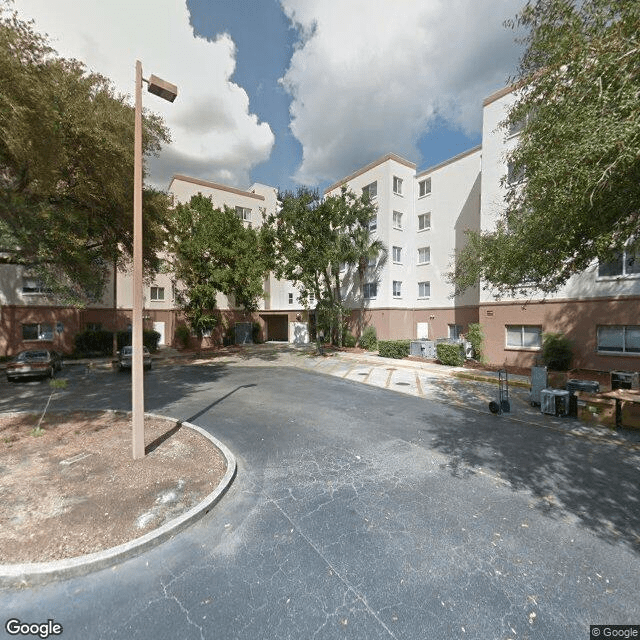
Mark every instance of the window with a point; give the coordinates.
(626, 263)
(455, 331)
(291, 298)
(424, 187)
(37, 331)
(397, 220)
(424, 255)
(516, 127)
(32, 285)
(157, 294)
(397, 185)
(513, 176)
(397, 254)
(424, 289)
(243, 213)
(397, 288)
(424, 221)
(370, 290)
(619, 339)
(373, 223)
(522, 336)
(370, 191)
(372, 263)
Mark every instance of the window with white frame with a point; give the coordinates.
(424, 255)
(373, 262)
(157, 294)
(397, 185)
(626, 263)
(397, 288)
(397, 220)
(370, 290)
(424, 221)
(370, 190)
(290, 298)
(619, 338)
(243, 213)
(523, 336)
(37, 331)
(31, 285)
(455, 331)
(424, 289)
(373, 223)
(397, 254)
(424, 187)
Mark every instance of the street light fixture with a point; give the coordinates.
(169, 92)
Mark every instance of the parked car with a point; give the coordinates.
(125, 357)
(41, 363)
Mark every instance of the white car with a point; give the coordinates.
(126, 355)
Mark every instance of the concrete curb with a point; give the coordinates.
(37, 573)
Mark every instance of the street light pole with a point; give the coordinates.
(169, 92)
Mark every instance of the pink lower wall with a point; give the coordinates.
(578, 320)
(399, 324)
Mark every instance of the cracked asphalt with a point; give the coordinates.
(361, 512)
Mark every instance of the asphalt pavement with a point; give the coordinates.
(376, 510)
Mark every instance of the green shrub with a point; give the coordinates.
(183, 335)
(255, 333)
(394, 348)
(557, 352)
(348, 340)
(369, 339)
(475, 336)
(92, 344)
(450, 354)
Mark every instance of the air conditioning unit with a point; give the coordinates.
(555, 402)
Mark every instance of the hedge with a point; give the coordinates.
(394, 348)
(450, 354)
(100, 343)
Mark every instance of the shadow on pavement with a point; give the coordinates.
(592, 482)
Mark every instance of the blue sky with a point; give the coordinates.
(289, 92)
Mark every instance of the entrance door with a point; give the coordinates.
(159, 327)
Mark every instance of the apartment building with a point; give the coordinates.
(598, 310)
(31, 317)
(422, 218)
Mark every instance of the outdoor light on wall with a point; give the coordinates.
(167, 91)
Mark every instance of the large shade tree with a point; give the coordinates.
(312, 238)
(577, 101)
(213, 252)
(66, 167)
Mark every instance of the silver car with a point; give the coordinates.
(40, 363)
(126, 356)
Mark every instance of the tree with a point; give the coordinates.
(66, 167)
(579, 149)
(213, 252)
(311, 239)
(363, 249)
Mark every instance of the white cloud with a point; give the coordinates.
(213, 131)
(370, 76)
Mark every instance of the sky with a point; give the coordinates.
(296, 92)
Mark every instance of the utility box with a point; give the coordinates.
(423, 348)
(625, 380)
(539, 381)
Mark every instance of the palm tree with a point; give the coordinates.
(364, 249)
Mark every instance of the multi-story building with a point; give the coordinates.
(422, 218)
(598, 310)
